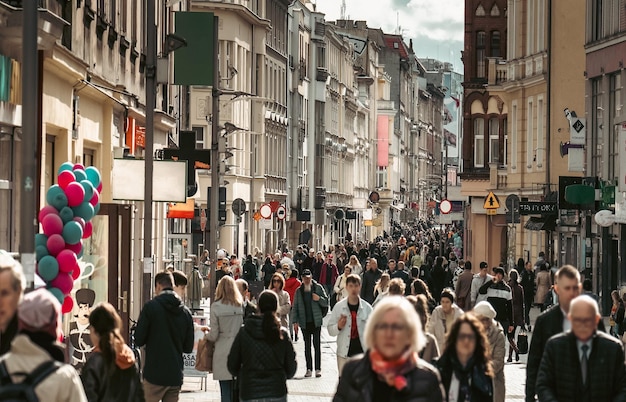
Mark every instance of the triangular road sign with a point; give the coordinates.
(491, 201)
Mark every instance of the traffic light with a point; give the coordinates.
(222, 204)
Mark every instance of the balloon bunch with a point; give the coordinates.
(66, 221)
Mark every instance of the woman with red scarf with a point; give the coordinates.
(391, 369)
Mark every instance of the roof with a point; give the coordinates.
(390, 40)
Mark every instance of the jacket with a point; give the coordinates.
(463, 288)
(226, 320)
(528, 283)
(560, 377)
(436, 326)
(477, 282)
(481, 384)
(284, 307)
(431, 350)
(499, 296)
(357, 383)
(343, 335)
(544, 281)
(291, 285)
(299, 317)
(340, 287)
(517, 304)
(369, 281)
(122, 383)
(166, 329)
(496, 337)
(62, 385)
(262, 368)
(328, 274)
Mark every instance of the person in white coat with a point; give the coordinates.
(341, 289)
(284, 304)
(443, 317)
(226, 320)
(347, 322)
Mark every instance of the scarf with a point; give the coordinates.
(463, 374)
(393, 372)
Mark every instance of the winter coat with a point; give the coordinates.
(439, 278)
(481, 385)
(249, 271)
(477, 282)
(62, 385)
(340, 287)
(262, 367)
(343, 335)
(436, 327)
(357, 383)
(369, 282)
(431, 351)
(328, 274)
(122, 383)
(462, 289)
(528, 284)
(166, 329)
(517, 302)
(544, 282)
(284, 307)
(499, 296)
(299, 316)
(226, 320)
(496, 337)
(291, 285)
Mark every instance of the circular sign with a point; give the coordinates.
(239, 206)
(374, 197)
(445, 206)
(266, 211)
(604, 218)
(281, 212)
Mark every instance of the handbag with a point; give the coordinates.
(204, 355)
(522, 342)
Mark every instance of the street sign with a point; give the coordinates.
(538, 208)
(445, 206)
(281, 212)
(492, 211)
(266, 211)
(239, 206)
(491, 201)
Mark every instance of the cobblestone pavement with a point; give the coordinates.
(322, 389)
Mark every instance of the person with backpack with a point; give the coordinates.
(34, 368)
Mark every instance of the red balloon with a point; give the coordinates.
(76, 248)
(68, 304)
(95, 199)
(55, 244)
(99, 188)
(64, 282)
(48, 209)
(75, 194)
(78, 166)
(67, 261)
(65, 178)
(81, 221)
(52, 224)
(76, 272)
(88, 230)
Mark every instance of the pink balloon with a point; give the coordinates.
(88, 230)
(55, 244)
(65, 178)
(67, 260)
(68, 304)
(64, 282)
(99, 188)
(48, 209)
(75, 194)
(81, 221)
(76, 248)
(76, 272)
(78, 166)
(95, 199)
(52, 224)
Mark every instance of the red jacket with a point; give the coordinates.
(291, 285)
(335, 274)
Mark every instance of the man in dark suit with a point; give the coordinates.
(552, 322)
(582, 364)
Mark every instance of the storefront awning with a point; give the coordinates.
(541, 223)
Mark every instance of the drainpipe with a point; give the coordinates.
(549, 241)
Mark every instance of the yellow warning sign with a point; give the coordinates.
(491, 201)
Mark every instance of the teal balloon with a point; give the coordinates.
(89, 189)
(96, 209)
(84, 210)
(66, 214)
(93, 175)
(56, 292)
(80, 175)
(56, 197)
(80, 253)
(65, 166)
(41, 239)
(40, 252)
(72, 232)
(48, 268)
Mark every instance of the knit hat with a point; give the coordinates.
(484, 309)
(40, 311)
(498, 270)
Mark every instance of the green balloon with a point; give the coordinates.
(48, 268)
(56, 292)
(66, 214)
(56, 197)
(65, 166)
(84, 210)
(93, 175)
(40, 252)
(41, 240)
(80, 175)
(72, 232)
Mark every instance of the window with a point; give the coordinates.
(506, 142)
(480, 11)
(540, 139)
(381, 177)
(199, 130)
(615, 107)
(596, 120)
(529, 135)
(88, 157)
(495, 44)
(480, 54)
(321, 56)
(479, 142)
(514, 136)
(495, 11)
(494, 140)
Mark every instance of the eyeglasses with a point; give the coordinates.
(275, 280)
(466, 337)
(393, 327)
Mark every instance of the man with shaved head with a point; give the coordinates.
(583, 364)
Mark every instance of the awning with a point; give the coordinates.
(541, 223)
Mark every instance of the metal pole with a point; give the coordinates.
(213, 203)
(151, 50)
(30, 179)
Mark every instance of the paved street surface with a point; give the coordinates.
(322, 389)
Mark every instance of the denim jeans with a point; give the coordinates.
(226, 388)
(314, 332)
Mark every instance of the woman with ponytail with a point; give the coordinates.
(111, 372)
(262, 356)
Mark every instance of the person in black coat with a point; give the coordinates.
(371, 275)
(582, 365)
(466, 357)
(262, 355)
(249, 269)
(527, 281)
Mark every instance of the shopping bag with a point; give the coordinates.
(204, 356)
(522, 342)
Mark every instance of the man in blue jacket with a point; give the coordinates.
(166, 329)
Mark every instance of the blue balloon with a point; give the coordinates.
(56, 292)
(48, 268)
(66, 214)
(40, 252)
(72, 232)
(41, 239)
(93, 175)
(56, 197)
(80, 175)
(84, 210)
(65, 166)
(89, 189)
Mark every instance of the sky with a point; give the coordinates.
(436, 26)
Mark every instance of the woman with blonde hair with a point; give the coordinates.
(382, 288)
(341, 292)
(226, 319)
(391, 369)
(354, 263)
(284, 304)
